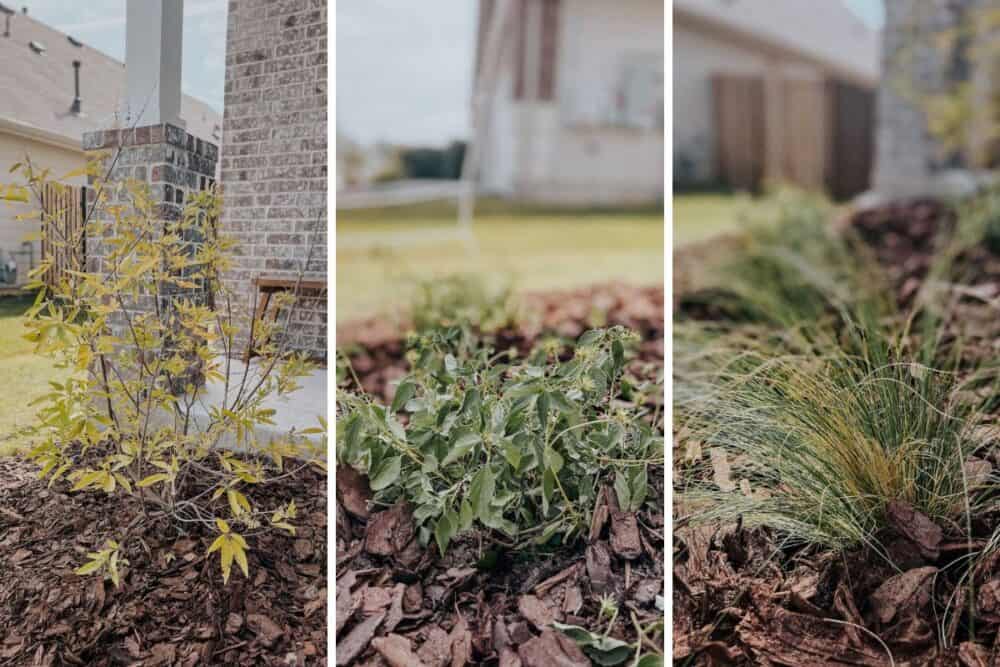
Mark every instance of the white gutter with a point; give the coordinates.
(28, 131)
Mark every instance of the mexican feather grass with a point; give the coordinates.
(820, 438)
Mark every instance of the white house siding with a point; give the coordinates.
(13, 232)
(593, 158)
(577, 149)
(499, 151)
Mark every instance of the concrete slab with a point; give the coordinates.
(299, 410)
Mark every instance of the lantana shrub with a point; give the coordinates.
(142, 338)
(515, 449)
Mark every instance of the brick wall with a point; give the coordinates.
(274, 152)
(173, 163)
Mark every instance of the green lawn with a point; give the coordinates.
(25, 375)
(382, 253)
(698, 217)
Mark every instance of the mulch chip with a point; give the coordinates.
(172, 607)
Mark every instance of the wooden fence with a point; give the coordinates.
(64, 244)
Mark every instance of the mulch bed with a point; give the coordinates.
(172, 607)
(402, 605)
(376, 347)
(740, 598)
(904, 237)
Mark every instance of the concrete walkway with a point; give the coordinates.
(296, 411)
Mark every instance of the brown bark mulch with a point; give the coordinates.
(742, 598)
(402, 605)
(905, 236)
(376, 347)
(172, 607)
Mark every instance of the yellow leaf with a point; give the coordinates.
(217, 543)
(87, 479)
(286, 526)
(222, 525)
(241, 558)
(234, 504)
(153, 479)
(227, 560)
(124, 482)
(90, 567)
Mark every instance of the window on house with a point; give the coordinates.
(638, 99)
(630, 96)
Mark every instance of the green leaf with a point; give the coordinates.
(548, 487)
(463, 443)
(589, 337)
(388, 473)
(404, 392)
(638, 487)
(443, 532)
(623, 491)
(618, 353)
(512, 453)
(650, 661)
(481, 491)
(553, 460)
(466, 515)
(430, 464)
(470, 406)
(605, 651)
(542, 405)
(396, 428)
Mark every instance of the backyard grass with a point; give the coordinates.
(701, 216)
(382, 254)
(26, 375)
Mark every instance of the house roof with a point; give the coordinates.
(36, 89)
(826, 31)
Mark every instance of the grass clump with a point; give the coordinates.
(795, 267)
(816, 442)
(464, 300)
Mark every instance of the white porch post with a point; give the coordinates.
(153, 48)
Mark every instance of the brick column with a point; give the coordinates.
(274, 153)
(171, 161)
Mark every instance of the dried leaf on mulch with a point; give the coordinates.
(552, 649)
(625, 540)
(397, 651)
(389, 531)
(908, 592)
(916, 527)
(352, 491)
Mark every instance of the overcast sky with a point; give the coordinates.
(404, 69)
(101, 24)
